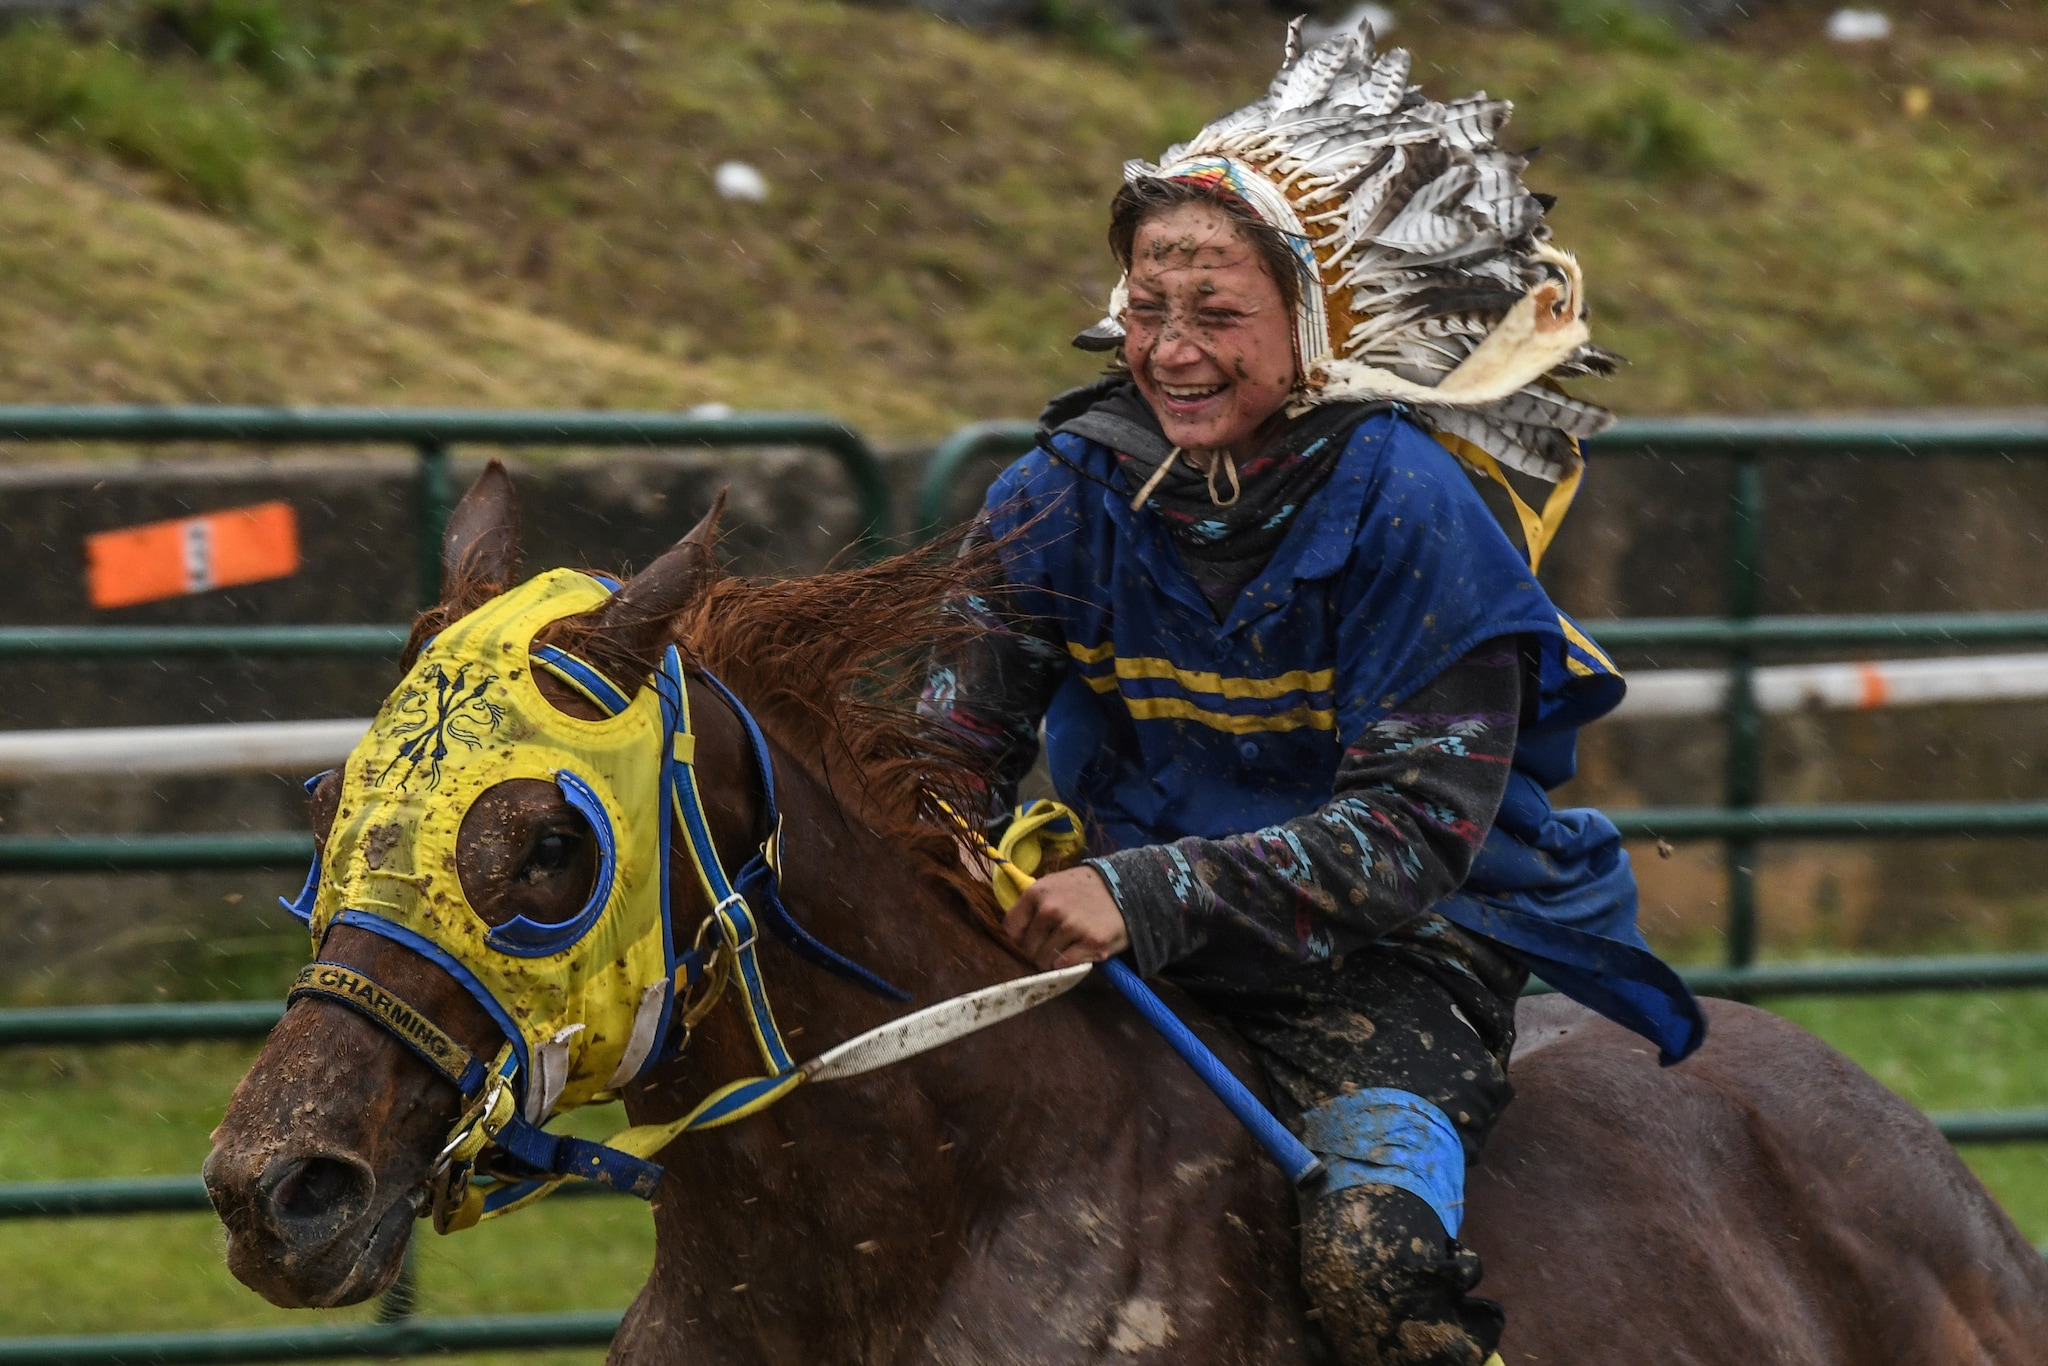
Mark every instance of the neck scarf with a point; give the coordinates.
(1223, 548)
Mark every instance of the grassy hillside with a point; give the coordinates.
(107, 293)
(487, 202)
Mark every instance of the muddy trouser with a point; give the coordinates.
(1404, 1043)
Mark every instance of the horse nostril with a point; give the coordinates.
(316, 1188)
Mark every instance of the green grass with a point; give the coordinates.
(202, 140)
(143, 1111)
(1955, 1052)
(137, 1111)
(110, 295)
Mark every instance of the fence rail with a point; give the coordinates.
(67, 1026)
(1743, 438)
(407, 1338)
(382, 641)
(121, 1195)
(154, 853)
(291, 849)
(1740, 822)
(432, 432)
(150, 642)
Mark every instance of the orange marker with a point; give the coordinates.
(191, 555)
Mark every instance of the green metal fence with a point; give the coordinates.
(1741, 822)
(432, 433)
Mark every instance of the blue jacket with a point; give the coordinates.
(1171, 724)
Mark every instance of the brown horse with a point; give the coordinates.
(1060, 1188)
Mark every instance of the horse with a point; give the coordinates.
(1059, 1188)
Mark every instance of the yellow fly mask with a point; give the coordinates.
(585, 1004)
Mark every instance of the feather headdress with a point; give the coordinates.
(1439, 288)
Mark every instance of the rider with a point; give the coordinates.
(1305, 691)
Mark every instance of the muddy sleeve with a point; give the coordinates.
(996, 689)
(1414, 797)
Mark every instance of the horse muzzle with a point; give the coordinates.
(309, 1229)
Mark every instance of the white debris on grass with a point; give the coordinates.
(714, 411)
(1859, 26)
(737, 180)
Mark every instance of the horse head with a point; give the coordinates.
(479, 881)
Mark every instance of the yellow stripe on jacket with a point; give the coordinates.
(1216, 685)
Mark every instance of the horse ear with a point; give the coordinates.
(628, 633)
(480, 549)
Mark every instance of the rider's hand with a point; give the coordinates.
(1066, 918)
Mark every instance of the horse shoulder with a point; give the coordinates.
(1764, 1200)
(1148, 1228)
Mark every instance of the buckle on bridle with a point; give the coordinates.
(452, 1202)
(479, 1124)
(725, 923)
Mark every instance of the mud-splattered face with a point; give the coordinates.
(1209, 337)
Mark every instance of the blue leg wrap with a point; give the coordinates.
(1384, 1137)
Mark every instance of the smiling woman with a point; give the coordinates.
(1309, 693)
(1209, 331)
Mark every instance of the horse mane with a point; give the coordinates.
(833, 665)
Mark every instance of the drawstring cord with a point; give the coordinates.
(1157, 475)
(1218, 460)
(1223, 458)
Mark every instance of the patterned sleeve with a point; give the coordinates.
(995, 690)
(1414, 798)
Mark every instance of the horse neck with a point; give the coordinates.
(893, 1165)
(858, 892)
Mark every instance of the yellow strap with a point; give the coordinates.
(466, 1215)
(645, 1140)
(704, 858)
(1030, 844)
(366, 994)
(1538, 529)
(490, 1112)
(1027, 845)
(486, 1126)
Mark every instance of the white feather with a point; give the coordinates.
(1422, 227)
(1475, 121)
(1383, 90)
(1546, 408)
(1308, 80)
(1368, 198)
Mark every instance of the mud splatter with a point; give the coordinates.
(378, 845)
(1391, 1289)
(1141, 1324)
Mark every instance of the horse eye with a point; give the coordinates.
(553, 853)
